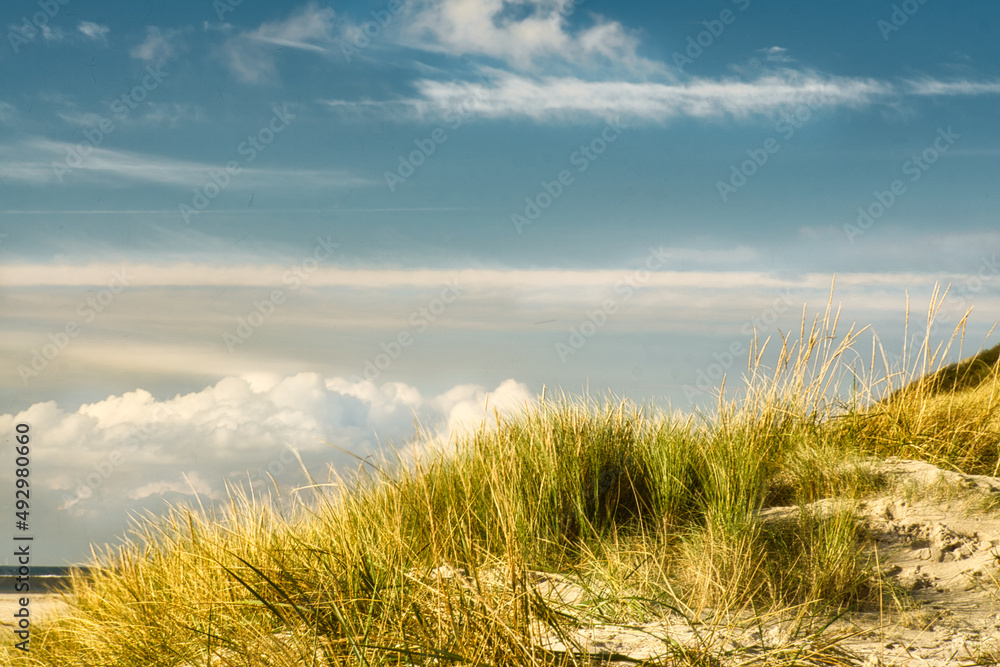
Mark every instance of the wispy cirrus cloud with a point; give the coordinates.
(162, 114)
(954, 88)
(74, 116)
(566, 98)
(31, 162)
(557, 99)
(308, 29)
(250, 55)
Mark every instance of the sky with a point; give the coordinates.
(235, 233)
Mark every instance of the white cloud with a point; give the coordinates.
(80, 118)
(565, 98)
(776, 54)
(561, 98)
(94, 31)
(231, 276)
(309, 29)
(954, 88)
(191, 484)
(524, 34)
(50, 34)
(165, 114)
(597, 71)
(31, 162)
(162, 114)
(115, 164)
(159, 45)
(133, 446)
(467, 405)
(250, 56)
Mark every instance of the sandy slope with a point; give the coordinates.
(944, 551)
(940, 548)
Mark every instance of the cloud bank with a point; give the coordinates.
(132, 446)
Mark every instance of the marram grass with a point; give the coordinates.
(430, 562)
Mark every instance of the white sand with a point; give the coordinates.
(41, 606)
(943, 549)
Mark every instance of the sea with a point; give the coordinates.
(42, 579)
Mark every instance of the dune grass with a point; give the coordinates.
(641, 513)
(948, 415)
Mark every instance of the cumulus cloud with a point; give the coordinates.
(250, 55)
(524, 34)
(466, 404)
(132, 446)
(94, 31)
(440, 418)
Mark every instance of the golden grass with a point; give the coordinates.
(946, 415)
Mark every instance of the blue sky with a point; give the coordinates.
(226, 229)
